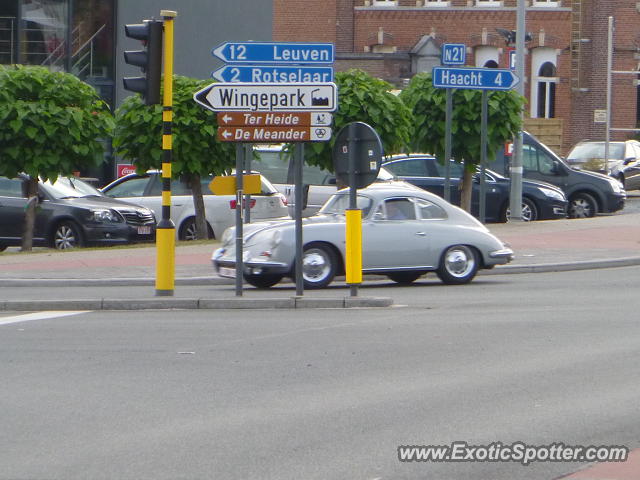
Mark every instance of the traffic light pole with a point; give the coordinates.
(166, 230)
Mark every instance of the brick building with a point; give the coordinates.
(566, 53)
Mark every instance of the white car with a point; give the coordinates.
(146, 190)
(406, 233)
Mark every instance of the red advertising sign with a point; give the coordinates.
(125, 169)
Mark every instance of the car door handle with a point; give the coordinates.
(421, 234)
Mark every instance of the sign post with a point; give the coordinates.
(357, 156)
(272, 93)
(472, 79)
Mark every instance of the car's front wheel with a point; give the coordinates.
(3, 248)
(529, 211)
(582, 205)
(319, 265)
(67, 235)
(404, 278)
(458, 265)
(263, 281)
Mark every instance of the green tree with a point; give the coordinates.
(51, 124)
(195, 150)
(363, 98)
(428, 105)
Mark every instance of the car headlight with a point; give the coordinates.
(105, 216)
(615, 185)
(552, 193)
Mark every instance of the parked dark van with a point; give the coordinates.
(588, 192)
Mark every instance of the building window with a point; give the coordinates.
(547, 80)
(437, 3)
(382, 3)
(543, 82)
(489, 3)
(545, 3)
(486, 56)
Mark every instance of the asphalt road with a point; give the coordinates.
(325, 394)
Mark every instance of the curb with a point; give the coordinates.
(147, 281)
(196, 304)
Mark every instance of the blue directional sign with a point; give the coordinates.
(474, 78)
(454, 54)
(273, 74)
(275, 53)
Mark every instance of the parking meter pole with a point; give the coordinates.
(297, 182)
(166, 230)
(239, 188)
(483, 156)
(447, 144)
(248, 154)
(353, 238)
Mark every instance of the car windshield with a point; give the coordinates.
(68, 187)
(588, 151)
(338, 203)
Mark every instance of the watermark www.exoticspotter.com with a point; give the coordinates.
(515, 452)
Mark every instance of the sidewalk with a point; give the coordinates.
(544, 246)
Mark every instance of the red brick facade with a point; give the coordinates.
(356, 27)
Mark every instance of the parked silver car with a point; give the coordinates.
(406, 232)
(623, 161)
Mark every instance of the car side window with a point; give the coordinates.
(399, 209)
(429, 210)
(415, 167)
(456, 170)
(10, 187)
(134, 187)
(529, 158)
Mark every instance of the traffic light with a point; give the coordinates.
(149, 60)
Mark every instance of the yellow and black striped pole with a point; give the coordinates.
(166, 231)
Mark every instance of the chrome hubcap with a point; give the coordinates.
(459, 262)
(315, 266)
(581, 208)
(64, 238)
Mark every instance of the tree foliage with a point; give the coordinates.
(363, 98)
(195, 150)
(51, 123)
(428, 105)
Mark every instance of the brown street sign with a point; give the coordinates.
(275, 119)
(273, 134)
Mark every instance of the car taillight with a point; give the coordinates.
(233, 203)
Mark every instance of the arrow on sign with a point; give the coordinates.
(474, 78)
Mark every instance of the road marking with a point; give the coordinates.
(28, 317)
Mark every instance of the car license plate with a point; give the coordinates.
(227, 272)
(144, 230)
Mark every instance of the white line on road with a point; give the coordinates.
(28, 317)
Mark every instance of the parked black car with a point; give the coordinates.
(71, 213)
(540, 201)
(588, 192)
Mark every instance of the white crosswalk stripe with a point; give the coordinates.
(29, 317)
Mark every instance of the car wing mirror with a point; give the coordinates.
(378, 216)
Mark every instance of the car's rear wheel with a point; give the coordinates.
(319, 265)
(458, 265)
(263, 281)
(404, 278)
(188, 230)
(582, 205)
(67, 235)
(529, 211)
